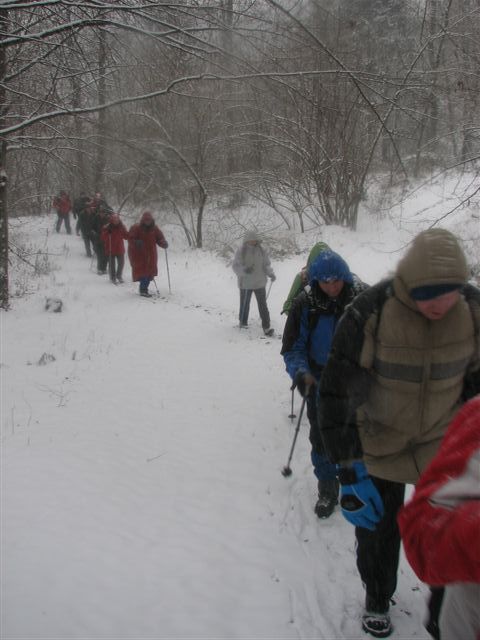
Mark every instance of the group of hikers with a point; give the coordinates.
(383, 371)
(104, 235)
(390, 377)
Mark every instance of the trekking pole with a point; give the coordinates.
(292, 414)
(110, 258)
(269, 287)
(168, 273)
(156, 287)
(286, 471)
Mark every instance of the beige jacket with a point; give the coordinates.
(417, 365)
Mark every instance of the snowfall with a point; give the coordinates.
(143, 442)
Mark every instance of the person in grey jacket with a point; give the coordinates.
(252, 266)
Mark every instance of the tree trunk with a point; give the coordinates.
(4, 298)
(100, 163)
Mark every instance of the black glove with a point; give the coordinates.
(273, 277)
(305, 383)
(248, 269)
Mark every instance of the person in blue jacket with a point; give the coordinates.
(307, 338)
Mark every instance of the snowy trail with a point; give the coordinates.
(141, 487)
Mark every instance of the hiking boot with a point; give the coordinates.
(377, 625)
(243, 325)
(327, 498)
(120, 280)
(376, 620)
(145, 294)
(269, 331)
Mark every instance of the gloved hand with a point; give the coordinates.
(304, 382)
(248, 269)
(273, 277)
(139, 243)
(360, 501)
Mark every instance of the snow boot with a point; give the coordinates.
(145, 294)
(327, 498)
(268, 331)
(376, 620)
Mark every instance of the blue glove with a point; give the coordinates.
(360, 501)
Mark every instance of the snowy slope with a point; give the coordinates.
(141, 487)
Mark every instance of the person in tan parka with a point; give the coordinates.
(405, 357)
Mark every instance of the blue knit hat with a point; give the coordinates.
(328, 266)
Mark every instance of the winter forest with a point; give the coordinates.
(305, 107)
(143, 440)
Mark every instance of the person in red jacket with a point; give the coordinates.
(143, 239)
(113, 234)
(440, 526)
(62, 205)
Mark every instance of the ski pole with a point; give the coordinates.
(168, 273)
(292, 414)
(286, 471)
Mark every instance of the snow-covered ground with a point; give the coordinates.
(142, 448)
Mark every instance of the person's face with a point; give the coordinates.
(333, 288)
(437, 308)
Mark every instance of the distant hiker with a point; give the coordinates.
(113, 234)
(405, 357)
(79, 205)
(97, 203)
(301, 279)
(143, 239)
(440, 526)
(98, 220)
(85, 221)
(62, 205)
(307, 339)
(252, 266)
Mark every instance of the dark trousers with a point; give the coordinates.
(143, 283)
(66, 220)
(102, 258)
(323, 469)
(378, 551)
(261, 296)
(115, 266)
(87, 243)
